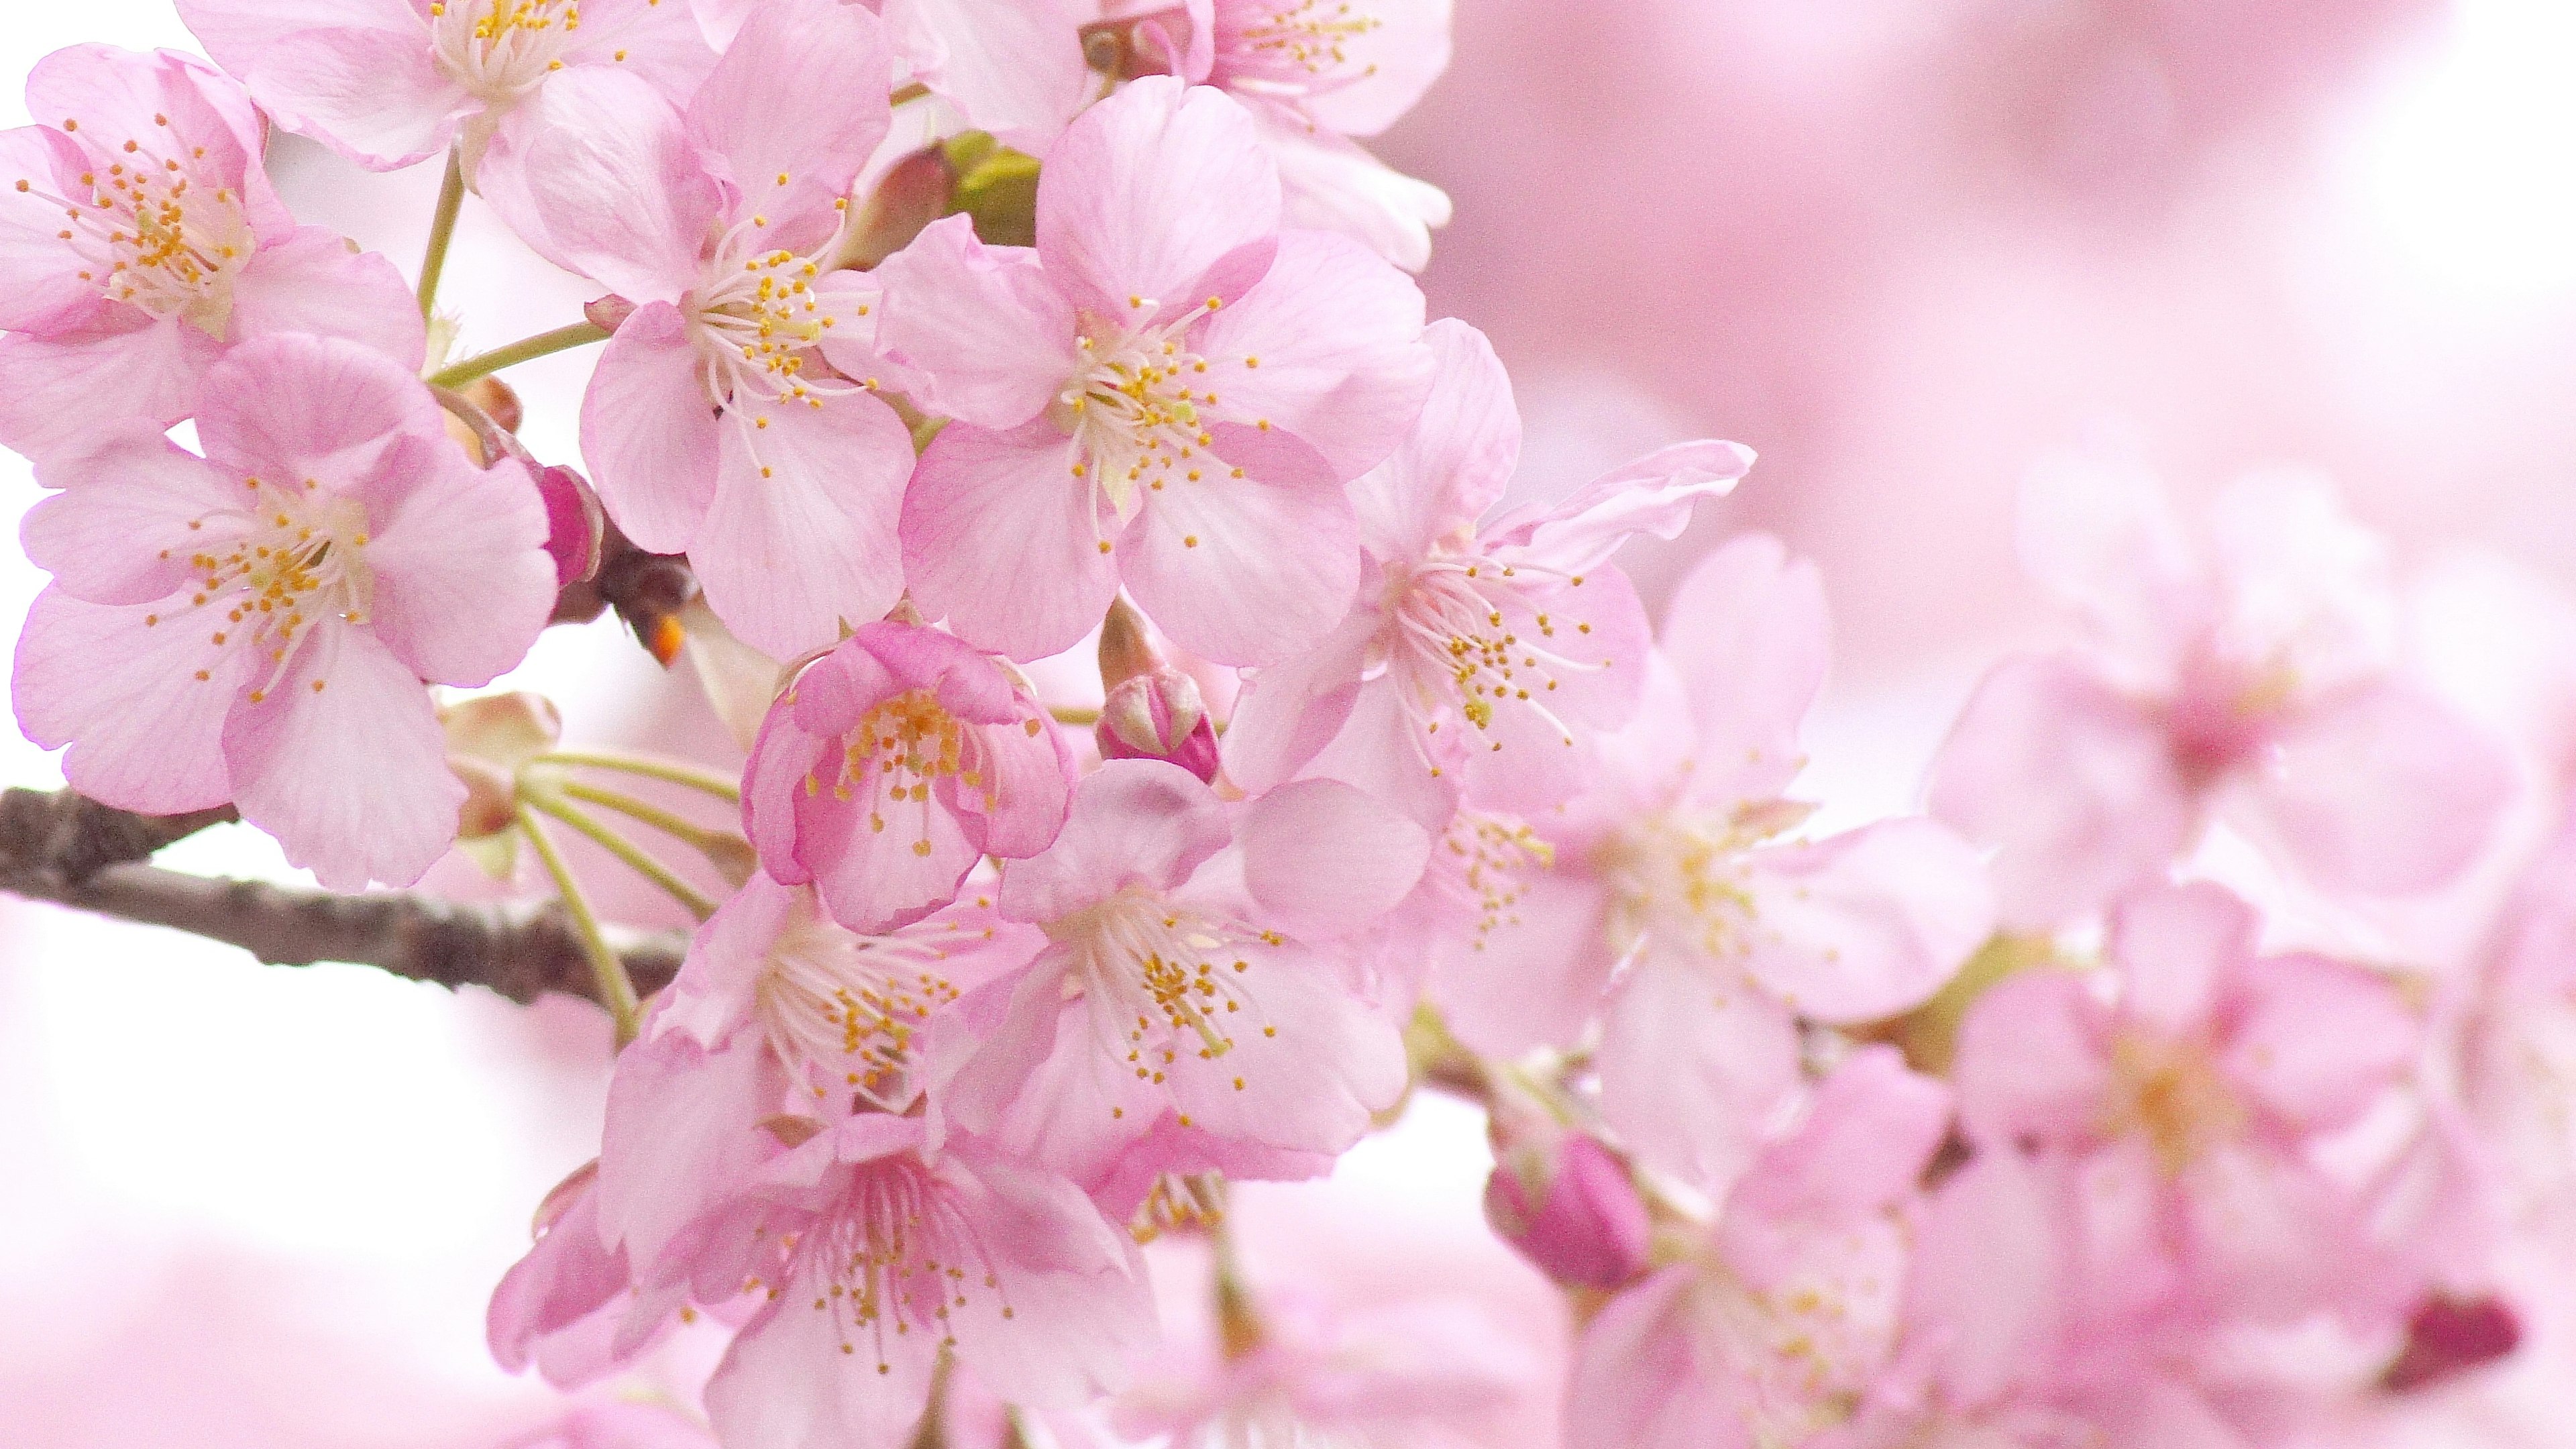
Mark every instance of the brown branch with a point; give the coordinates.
(62, 848)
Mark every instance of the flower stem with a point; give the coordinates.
(608, 973)
(675, 771)
(442, 228)
(574, 335)
(636, 858)
(679, 827)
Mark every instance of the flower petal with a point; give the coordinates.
(1351, 390)
(288, 408)
(316, 281)
(1004, 542)
(1868, 923)
(463, 582)
(985, 323)
(357, 75)
(599, 175)
(802, 533)
(649, 431)
(145, 733)
(61, 393)
(119, 532)
(1746, 633)
(793, 110)
(1693, 1068)
(1456, 460)
(1134, 822)
(1148, 190)
(1246, 570)
(1325, 859)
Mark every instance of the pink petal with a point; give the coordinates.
(1350, 391)
(167, 106)
(351, 778)
(1146, 191)
(1003, 541)
(1746, 632)
(1247, 570)
(1014, 67)
(2380, 789)
(802, 533)
(649, 431)
(2271, 1238)
(1868, 1133)
(46, 288)
(599, 175)
(463, 580)
(1380, 750)
(1134, 822)
(357, 75)
(316, 281)
(2074, 785)
(1536, 978)
(786, 1384)
(2104, 539)
(2033, 1058)
(1067, 1105)
(870, 864)
(663, 43)
(2177, 948)
(985, 323)
(1869, 923)
(69, 391)
(1984, 1281)
(1325, 859)
(567, 1277)
(145, 733)
(1396, 61)
(1029, 771)
(799, 96)
(1693, 1067)
(1327, 183)
(2318, 1042)
(1076, 1291)
(715, 992)
(1655, 495)
(1313, 1085)
(119, 531)
(1525, 762)
(1457, 458)
(289, 407)
(1639, 1381)
(682, 1134)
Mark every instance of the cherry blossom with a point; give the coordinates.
(893, 764)
(254, 626)
(1168, 392)
(2251, 680)
(390, 82)
(1782, 1318)
(716, 423)
(1520, 639)
(1673, 865)
(1190, 997)
(139, 237)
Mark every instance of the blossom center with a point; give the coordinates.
(1138, 407)
(1488, 860)
(843, 1009)
(893, 1257)
(1454, 645)
(501, 49)
(896, 754)
(1176, 974)
(2171, 1092)
(1682, 875)
(759, 322)
(283, 561)
(148, 237)
(1292, 51)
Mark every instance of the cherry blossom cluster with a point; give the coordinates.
(944, 337)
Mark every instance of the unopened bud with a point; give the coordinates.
(489, 741)
(915, 192)
(1158, 716)
(497, 399)
(1573, 1210)
(576, 527)
(1154, 43)
(2450, 1336)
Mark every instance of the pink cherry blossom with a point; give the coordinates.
(1784, 1317)
(139, 236)
(1191, 996)
(390, 82)
(716, 423)
(2250, 680)
(776, 1010)
(2161, 1150)
(569, 1307)
(1315, 73)
(893, 764)
(1421, 1374)
(876, 1253)
(1520, 641)
(1168, 392)
(1013, 68)
(255, 625)
(1673, 864)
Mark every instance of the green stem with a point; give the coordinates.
(635, 857)
(679, 827)
(526, 348)
(608, 974)
(675, 771)
(442, 228)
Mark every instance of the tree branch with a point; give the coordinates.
(62, 848)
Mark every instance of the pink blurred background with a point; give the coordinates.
(1905, 248)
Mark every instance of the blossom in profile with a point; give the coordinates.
(1783, 1319)
(390, 82)
(1168, 392)
(139, 237)
(718, 422)
(1191, 1002)
(255, 625)
(1477, 664)
(2251, 679)
(1682, 865)
(894, 763)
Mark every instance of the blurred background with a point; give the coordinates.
(1904, 248)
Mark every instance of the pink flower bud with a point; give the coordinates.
(1158, 716)
(2450, 1336)
(1578, 1218)
(575, 526)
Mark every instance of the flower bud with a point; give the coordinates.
(1152, 710)
(915, 192)
(2450, 1336)
(1571, 1208)
(489, 741)
(576, 527)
